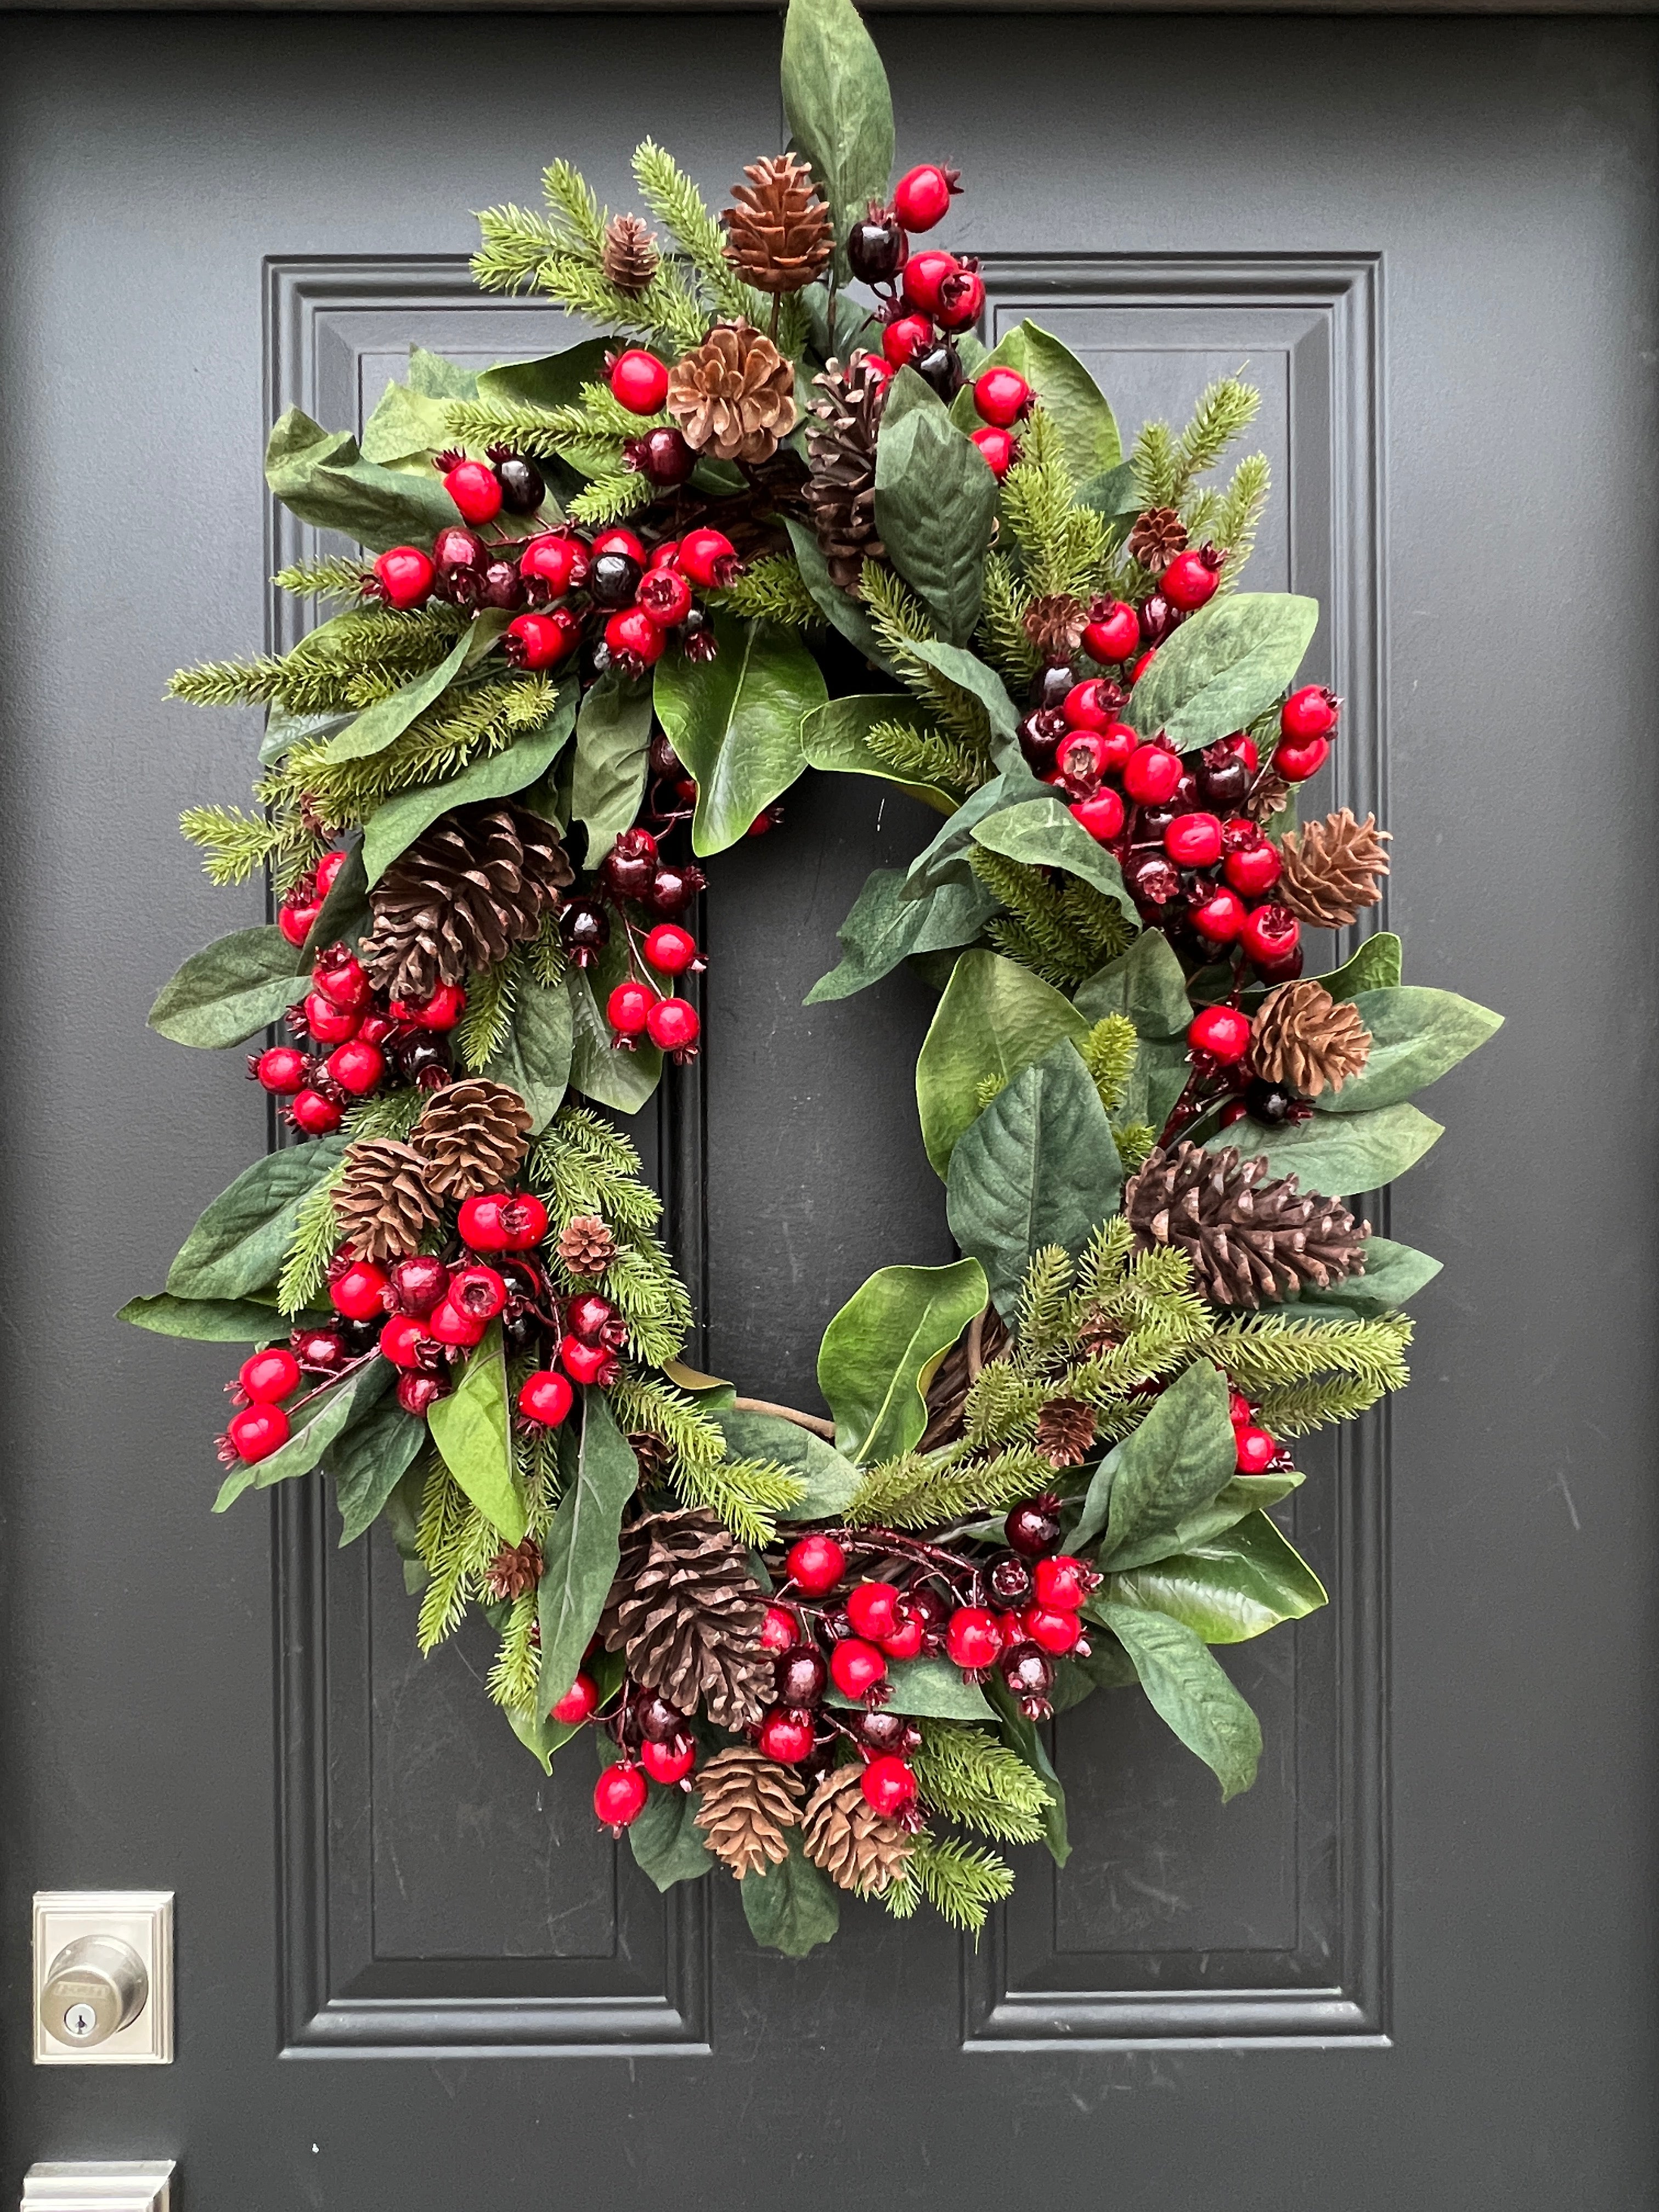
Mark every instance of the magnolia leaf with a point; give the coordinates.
(436, 377)
(995, 1018)
(945, 859)
(230, 990)
(1245, 1493)
(613, 748)
(1337, 1154)
(1417, 1036)
(1147, 983)
(968, 671)
(1073, 402)
(369, 1461)
(838, 109)
(735, 723)
(582, 1546)
(791, 1907)
(386, 721)
(665, 1840)
(393, 828)
(830, 1481)
(535, 1062)
(1172, 1464)
(1394, 1274)
(209, 1321)
(836, 736)
(552, 379)
(1223, 667)
(837, 607)
(241, 1240)
(935, 507)
(927, 1689)
(884, 928)
(315, 1427)
(1022, 1736)
(877, 1348)
(1189, 1692)
(321, 477)
(1228, 1589)
(1375, 967)
(621, 1080)
(405, 426)
(472, 1431)
(1044, 833)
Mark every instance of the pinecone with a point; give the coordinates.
(467, 890)
(1332, 869)
(515, 1570)
(1066, 1431)
(586, 1245)
(1303, 1037)
(779, 233)
(747, 1805)
(471, 1135)
(655, 1455)
(1157, 536)
(382, 1202)
(1055, 626)
(1249, 1238)
(733, 395)
(629, 256)
(842, 1832)
(840, 491)
(1266, 798)
(948, 1391)
(688, 1612)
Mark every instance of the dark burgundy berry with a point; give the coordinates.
(419, 1283)
(585, 928)
(1223, 778)
(877, 247)
(1151, 881)
(523, 487)
(613, 580)
(629, 868)
(319, 1350)
(1028, 1674)
(658, 1721)
(801, 1676)
(1009, 1580)
(503, 586)
(1033, 1528)
(885, 1731)
(424, 1061)
(665, 762)
(661, 457)
(1274, 1105)
(460, 558)
(697, 638)
(418, 1393)
(674, 887)
(359, 1336)
(521, 1332)
(940, 366)
(1039, 733)
(1158, 618)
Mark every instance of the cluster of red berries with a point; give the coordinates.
(637, 885)
(927, 297)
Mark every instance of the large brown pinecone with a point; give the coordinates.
(779, 233)
(1055, 625)
(947, 1393)
(1157, 537)
(840, 490)
(842, 1832)
(1248, 1238)
(472, 1135)
(688, 1612)
(467, 890)
(382, 1202)
(747, 1804)
(1332, 869)
(586, 1245)
(628, 256)
(733, 395)
(1303, 1037)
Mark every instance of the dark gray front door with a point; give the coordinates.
(1414, 1967)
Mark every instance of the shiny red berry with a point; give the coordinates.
(669, 949)
(580, 1700)
(474, 487)
(480, 1222)
(1253, 869)
(973, 1638)
(632, 636)
(1062, 1583)
(1222, 1032)
(908, 1636)
(639, 381)
(815, 1565)
(1298, 758)
(1192, 578)
(787, 1736)
(405, 575)
(619, 1795)
(856, 1668)
(874, 1609)
(628, 1007)
(553, 564)
(280, 1069)
(889, 1786)
(359, 1290)
(402, 1340)
(709, 558)
(419, 1283)
(922, 195)
(779, 1629)
(441, 1011)
(1193, 841)
(902, 340)
(418, 1394)
(546, 1397)
(477, 1290)
(1150, 775)
(1113, 631)
(1102, 816)
(338, 975)
(1256, 1450)
(1091, 705)
(269, 1375)
(672, 1024)
(665, 596)
(541, 641)
(998, 449)
(1219, 916)
(924, 276)
(1309, 713)
(595, 1320)
(524, 1221)
(356, 1066)
(1051, 1629)
(313, 1115)
(296, 922)
(451, 1325)
(1002, 396)
(670, 1763)
(961, 301)
(1081, 760)
(1271, 934)
(327, 1023)
(589, 1362)
(1143, 664)
(257, 1431)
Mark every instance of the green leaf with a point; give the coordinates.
(230, 990)
(582, 1546)
(1088, 429)
(1039, 1166)
(1338, 1154)
(831, 1480)
(667, 1843)
(1147, 983)
(435, 377)
(241, 1242)
(1245, 1493)
(1375, 967)
(405, 426)
(472, 1431)
(995, 1018)
(926, 1689)
(1112, 493)
(383, 723)
(552, 379)
(880, 1348)
(321, 475)
(967, 670)
(209, 1321)
(393, 828)
(535, 1062)
(621, 1080)
(946, 859)
(344, 913)
(837, 607)
(885, 928)
(540, 1736)
(791, 1907)
(838, 109)
(1188, 1691)
(935, 506)
(1024, 1737)
(314, 1428)
(1223, 668)
(1394, 1274)
(1174, 1463)
(369, 1461)
(1417, 1036)
(836, 736)
(613, 747)
(1229, 1588)
(735, 723)
(1044, 833)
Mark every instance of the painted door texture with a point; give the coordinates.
(1414, 1966)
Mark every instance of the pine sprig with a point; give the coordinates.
(608, 498)
(1061, 930)
(1002, 624)
(929, 756)
(772, 590)
(1224, 411)
(316, 1240)
(472, 721)
(1238, 517)
(747, 1495)
(1063, 548)
(484, 1030)
(681, 208)
(923, 1490)
(1303, 1373)
(1109, 1052)
(962, 1881)
(456, 1545)
(973, 1779)
(238, 845)
(899, 621)
(338, 578)
(515, 1679)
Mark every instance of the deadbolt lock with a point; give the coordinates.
(94, 1986)
(103, 1978)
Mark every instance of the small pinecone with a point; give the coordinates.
(840, 490)
(947, 1393)
(383, 1202)
(1249, 1238)
(1303, 1037)
(515, 1570)
(842, 1832)
(472, 1135)
(655, 1455)
(586, 1245)
(467, 890)
(1332, 869)
(746, 1805)
(1268, 797)
(629, 256)
(1066, 1431)
(1055, 626)
(1157, 536)
(779, 233)
(733, 395)
(688, 1612)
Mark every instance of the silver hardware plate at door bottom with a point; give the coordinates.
(124, 2186)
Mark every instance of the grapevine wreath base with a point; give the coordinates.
(789, 513)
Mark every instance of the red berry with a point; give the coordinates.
(401, 1340)
(889, 1785)
(477, 1290)
(1150, 775)
(1113, 631)
(524, 1221)
(589, 1362)
(1271, 934)
(257, 1431)
(540, 640)
(627, 1008)
(359, 1290)
(786, 1736)
(441, 1011)
(1062, 1583)
(356, 1067)
(474, 487)
(1222, 1032)
(709, 558)
(1102, 816)
(619, 1795)
(297, 923)
(673, 1024)
(1256, 1449)
(1001, 396)
(815, 1565)
(1191, 577)
(1089, 705)
(1034, 1528)
(908, 1636)
(998, 449)
(280, 1069)
(669, 949)
(1298, 758)
(670, 1763)
(451, 1325)
(595, 1320)
(1120, 741)
(856, 1666)
(1081, 760)
(632, 636)
(1309, 713)
(665, 596)
(1193, 841)
(418, 1283)
(973, 1638)
(314, 1115)
(878, 367)
(961, 299)
(908, 335)
(327, 868)
(922, 195)
(779, 1630)
(926, 276)
(269, 1375)
(1050, 1629)
(405, 575)
(1218, 917)
(1240, 1412)
(327, 1023)
(545, 1398)
(1254, 869)
(639, 381)
(580, 1700)
(620, 539)
(1143, 664)
(418, 1394)
(339, 974)
(554, 564)
(874, 1609)
(480, 1225)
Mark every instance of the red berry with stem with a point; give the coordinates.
(553, 564)
(709, 558)
(1002, 396)
(815, 1565)
(1193, 841)
(902, 340)
(356, 1067)
(327, 868)
(541, 641)
(579, 1701)
(857, 1667)
(628, 1007)
(480, 1222)
(1102, 816)
(1240, 1412)
(666, 597)
(889, 1786)
(313, 1115)
(1092, 705)
(1219, 916)
(672, 1024)
(1150, 775)
(1062, 1583)
(339, 974)
(786, 1736)
(1051, 1629)
(619, 1795)
(907, 1635)
(1255, 1450)
(1192, 578)
(1271, 934)
(874, 1609)
(595, 1320)
(925, 278)
(257, 1431)
(779, 1630)
(661, 457)
(280, 1069)
(524, 1221)
(633, 637)
(1141, 666)
(1112, 630)
(1253, 869)
(403, 1341)
(1309, 713)
(639, 381)
(1298, 758)
(1081, 760)
(1033, 1528)
(1223, 1032)
(477, 1290)
(451, 1325)
(296, 921)
(670, 1763)
(922, 194)
(474, 487)
(441, 1011)
(357, 1288)
(546, 1397)
(973, 1638)
(327, 1023)
(672, 949)
(961, 301)
(589, 1362)
(405, 576)
(269, 1375)
(998, 449)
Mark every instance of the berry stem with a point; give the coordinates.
(813, 1421)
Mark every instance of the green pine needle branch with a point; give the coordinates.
(772, 590)
(900, 622)
(1063, 548)
(929, 756)
(746, 1495)
(977, 1782)
(1108, 1052)
(962, 1881)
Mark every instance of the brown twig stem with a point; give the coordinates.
(813, 1421)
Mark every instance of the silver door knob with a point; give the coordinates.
(94, 1987)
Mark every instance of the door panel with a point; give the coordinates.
(1429, 1929)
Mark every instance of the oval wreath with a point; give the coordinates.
(790, 512)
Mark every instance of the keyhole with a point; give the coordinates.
(79, 2021)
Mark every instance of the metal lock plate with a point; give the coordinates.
(120, 2186)
(103, 1978)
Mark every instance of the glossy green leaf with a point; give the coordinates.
(613, 747)
(386, 721)
(1394, 1274)
(885, 928)
(1338, 1154)
(535, 1062)
(540, 1736)
(393, 828)
(971, 674)
(836, 736)
(436, 377)
(1037, 1167)
(837, 607)
(735, 723)
(1024, 1738)
(582, 1546)
(1147, 983)
(791, 1907)
(830, 1480)
(1113, 493)
(995, 1018)
(314, 1428)
(1375, 967)
(665, 1840)
(880, 1347)
(1189, 1692)
(927, 1689)
(1088, 429)
(473, 1431)
(1171, 1466)
(1228, 1589)
(208, 1320)
(838, 109)
(344, 913)
(241, 1242)
(551, 380)
(1416, 1036)
(321, 477)
(1223, 667)
(935, 507)
(230, 990)
(621, 1080)
(1044, 833)
(368, 1462)
(944, 859)
(1245, 1493)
